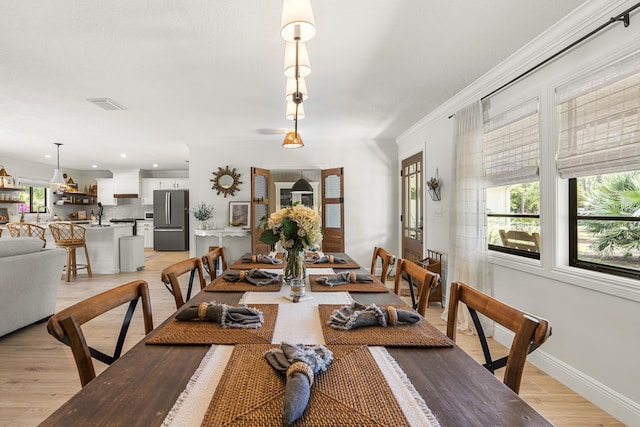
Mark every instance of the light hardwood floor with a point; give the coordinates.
(38, 374)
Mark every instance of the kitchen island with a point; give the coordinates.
(103, 244)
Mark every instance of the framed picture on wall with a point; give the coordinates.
(239, 214)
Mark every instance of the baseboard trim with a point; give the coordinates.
(616, 404)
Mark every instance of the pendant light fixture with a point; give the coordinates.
(57, 175)
(297, 27)
(301, 186)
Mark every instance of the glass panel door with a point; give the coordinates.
(412, 216)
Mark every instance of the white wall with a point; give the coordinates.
(370, 186)
(594, 347)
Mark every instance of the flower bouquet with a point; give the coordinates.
(202, 212)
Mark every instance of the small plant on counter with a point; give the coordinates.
(203, 211)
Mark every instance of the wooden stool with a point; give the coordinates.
(71, 237)
(21, 229)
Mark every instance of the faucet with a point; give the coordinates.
(99, 214)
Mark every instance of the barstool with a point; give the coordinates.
(21, 229)
(70, 237)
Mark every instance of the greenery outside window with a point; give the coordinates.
(511, 166)
(34, 198)
(604, 215)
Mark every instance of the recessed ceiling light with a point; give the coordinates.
(123, 155)
(94, 166)
(155, 165)
(48, 156)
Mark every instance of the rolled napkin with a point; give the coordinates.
(327, 259)
(344, 278)
(358, 315)
(300, 363)
(261, 259)
(229, 316)
(255, 276)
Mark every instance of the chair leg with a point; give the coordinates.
(68, 268)
(86, 254)
(74, 265)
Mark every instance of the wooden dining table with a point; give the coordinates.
(141, 387)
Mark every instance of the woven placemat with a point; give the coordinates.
(349, 264)
(241, 265)
(352, 392)
(220, 285)
(376, 286)
(421, 334)
(203, 332)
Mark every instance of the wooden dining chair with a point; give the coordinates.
(65, 325)
(23, 229)
(530, 331)
(387, 259)
(212, 259)
(422, 283)
(170, 276)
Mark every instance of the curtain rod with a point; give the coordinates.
(624, 17)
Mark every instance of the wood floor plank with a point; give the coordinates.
(38, 374)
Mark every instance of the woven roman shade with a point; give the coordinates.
(511, 143)
(599, 121)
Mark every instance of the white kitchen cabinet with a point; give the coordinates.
(174, 183)
(105, 192)
(145, 229)
(147, 186)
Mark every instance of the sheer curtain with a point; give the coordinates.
(468, 245)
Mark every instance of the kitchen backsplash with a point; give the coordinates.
(126, 208)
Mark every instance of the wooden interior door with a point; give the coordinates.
(333, 210)
(412, 216)
(259, 207)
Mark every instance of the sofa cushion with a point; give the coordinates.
(19, 246)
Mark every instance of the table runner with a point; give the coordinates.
(297, 322)
(392, 400)
(193, 332)
(421, 334)
(220, 285)
(376, 286)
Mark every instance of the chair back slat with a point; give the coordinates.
(212, 259)
(170, 276)
(387, 259)
(421, 281)
(530, 331)
(65, 325)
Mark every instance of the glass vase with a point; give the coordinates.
(295, 273)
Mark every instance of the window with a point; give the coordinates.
(605, 223)
(511, 162)
(34, 198)
(599, 152)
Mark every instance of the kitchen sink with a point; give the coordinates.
(103, 225)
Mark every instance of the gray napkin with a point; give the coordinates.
(358, 315)
(306, 361)
(344, 278)
(255, 276)
(261, 259)
(229, 316)
(327, 259)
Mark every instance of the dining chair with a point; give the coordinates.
(530, 331)
(65, 325)
(387, 259)
(71, 237)
(22, 229)
(212, 259)
(422, 283)
(170, 276)
(433, 263)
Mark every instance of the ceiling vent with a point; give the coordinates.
(106, 103)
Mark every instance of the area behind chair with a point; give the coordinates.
(530, 331)
(65, 325)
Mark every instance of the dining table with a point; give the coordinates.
(146, 384)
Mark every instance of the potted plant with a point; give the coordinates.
(203, 212)
(433, 185)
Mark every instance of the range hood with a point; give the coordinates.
(126, 184)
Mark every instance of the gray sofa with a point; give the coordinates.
(29, 280)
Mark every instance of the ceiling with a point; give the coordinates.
(210, 72)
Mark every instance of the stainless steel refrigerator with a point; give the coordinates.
(171, 220)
